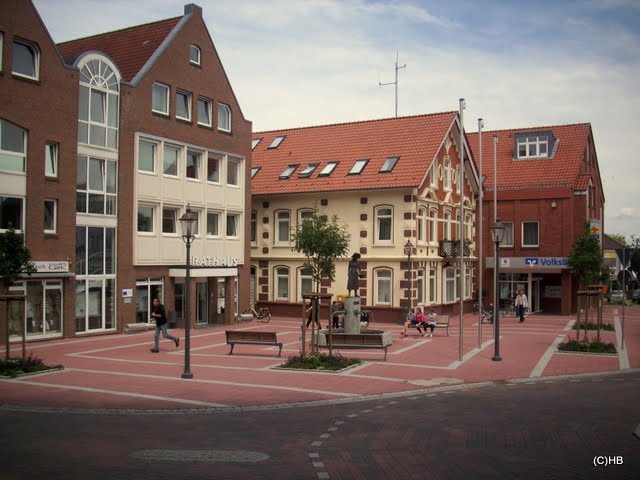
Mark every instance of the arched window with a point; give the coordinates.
(384, 293)
(384, 224)
(447, 226)
(99, 102)
(305, 282)
(447, 174)
(194, 55)
(283, 226)
(468, 228)
(422, 225)
(281, 283)
(433, 226)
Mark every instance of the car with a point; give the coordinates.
(616, 296)
(635, 296)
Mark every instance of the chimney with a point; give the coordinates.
(192, 8)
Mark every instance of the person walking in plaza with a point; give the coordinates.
(521, 303)
(158, 313)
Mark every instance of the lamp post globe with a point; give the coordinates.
(188, 223)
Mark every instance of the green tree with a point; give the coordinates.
(322, 242)
(15, 258)
(587, 263)
(618, 237)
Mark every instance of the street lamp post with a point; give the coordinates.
(408, 250)
(187, 223)
(497, 233)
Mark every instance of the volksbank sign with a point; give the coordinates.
(533, 263)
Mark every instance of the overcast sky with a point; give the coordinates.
(517, 63)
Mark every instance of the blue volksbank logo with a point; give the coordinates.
(545, 261)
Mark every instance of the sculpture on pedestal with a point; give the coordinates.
(353, 275)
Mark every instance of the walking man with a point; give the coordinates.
(160, 317)
(521, 303)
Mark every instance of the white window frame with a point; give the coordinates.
(508, 235)
(450, 280)
(17, 228)
(108, 171)
(420, 290)
(11, 153)
(211, 214)
(181, 97)
(433, 285)
(233, 165)
(177, 149)
(378, 219)
(235, 216)
(304, 213)
(35, 59)
(198, 55)
(447, 174)
(218, 161)
(176, 217)
(154, 156)
(151, 217)
(532, 141)
(433, 226)
(468, 227)
(208, 105)
(422, 225)
(434, 174)
(54, 215)
(280, 223)
(537, 224)
(157, 86)
(385, 281)
(447, 226)
(51, 150)
(198, 163)
(224, 117)
(304, 277)
(253, 231)
(281, 274)
(467, 282)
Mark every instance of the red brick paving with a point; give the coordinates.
(118, 371)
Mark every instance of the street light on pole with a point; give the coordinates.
(408, 250)
(497, 234)
(187, 223)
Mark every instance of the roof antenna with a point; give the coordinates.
(394, 83)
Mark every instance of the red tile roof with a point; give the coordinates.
(561, 171)
(416, 140)
(129, 48)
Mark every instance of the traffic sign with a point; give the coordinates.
(625, 277)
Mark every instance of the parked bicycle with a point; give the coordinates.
(259, 313)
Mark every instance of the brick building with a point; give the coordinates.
(548, 186)
(146, 123)
(389, 181)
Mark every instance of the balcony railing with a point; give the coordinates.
(451, 248)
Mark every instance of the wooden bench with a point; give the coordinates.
(443, 322)
(138, 327)
(252, 338)
(357, 340)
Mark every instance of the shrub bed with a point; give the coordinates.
(593, 326)
(14, 367)
(322, 361)
(587, 346)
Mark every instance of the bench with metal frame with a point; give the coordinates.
(357, 340)
(249, 337)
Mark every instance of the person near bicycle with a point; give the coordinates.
(521, 303)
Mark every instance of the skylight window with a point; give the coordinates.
(289, 171)
(254, 170)
(358, 167)
(308, 170)
(328, 169)
(255, 142)
(388, 164)
(277, 141)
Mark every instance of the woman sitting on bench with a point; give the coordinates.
(414, 320)
(430, 322)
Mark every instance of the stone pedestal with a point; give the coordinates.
(351, 319)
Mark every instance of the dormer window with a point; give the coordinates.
(535, 145)
(328, 169)
(277, 141)
(388, 164)
(289, 171)
(358, 167)
(255, 142)
(308, 170)
(194, 55)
